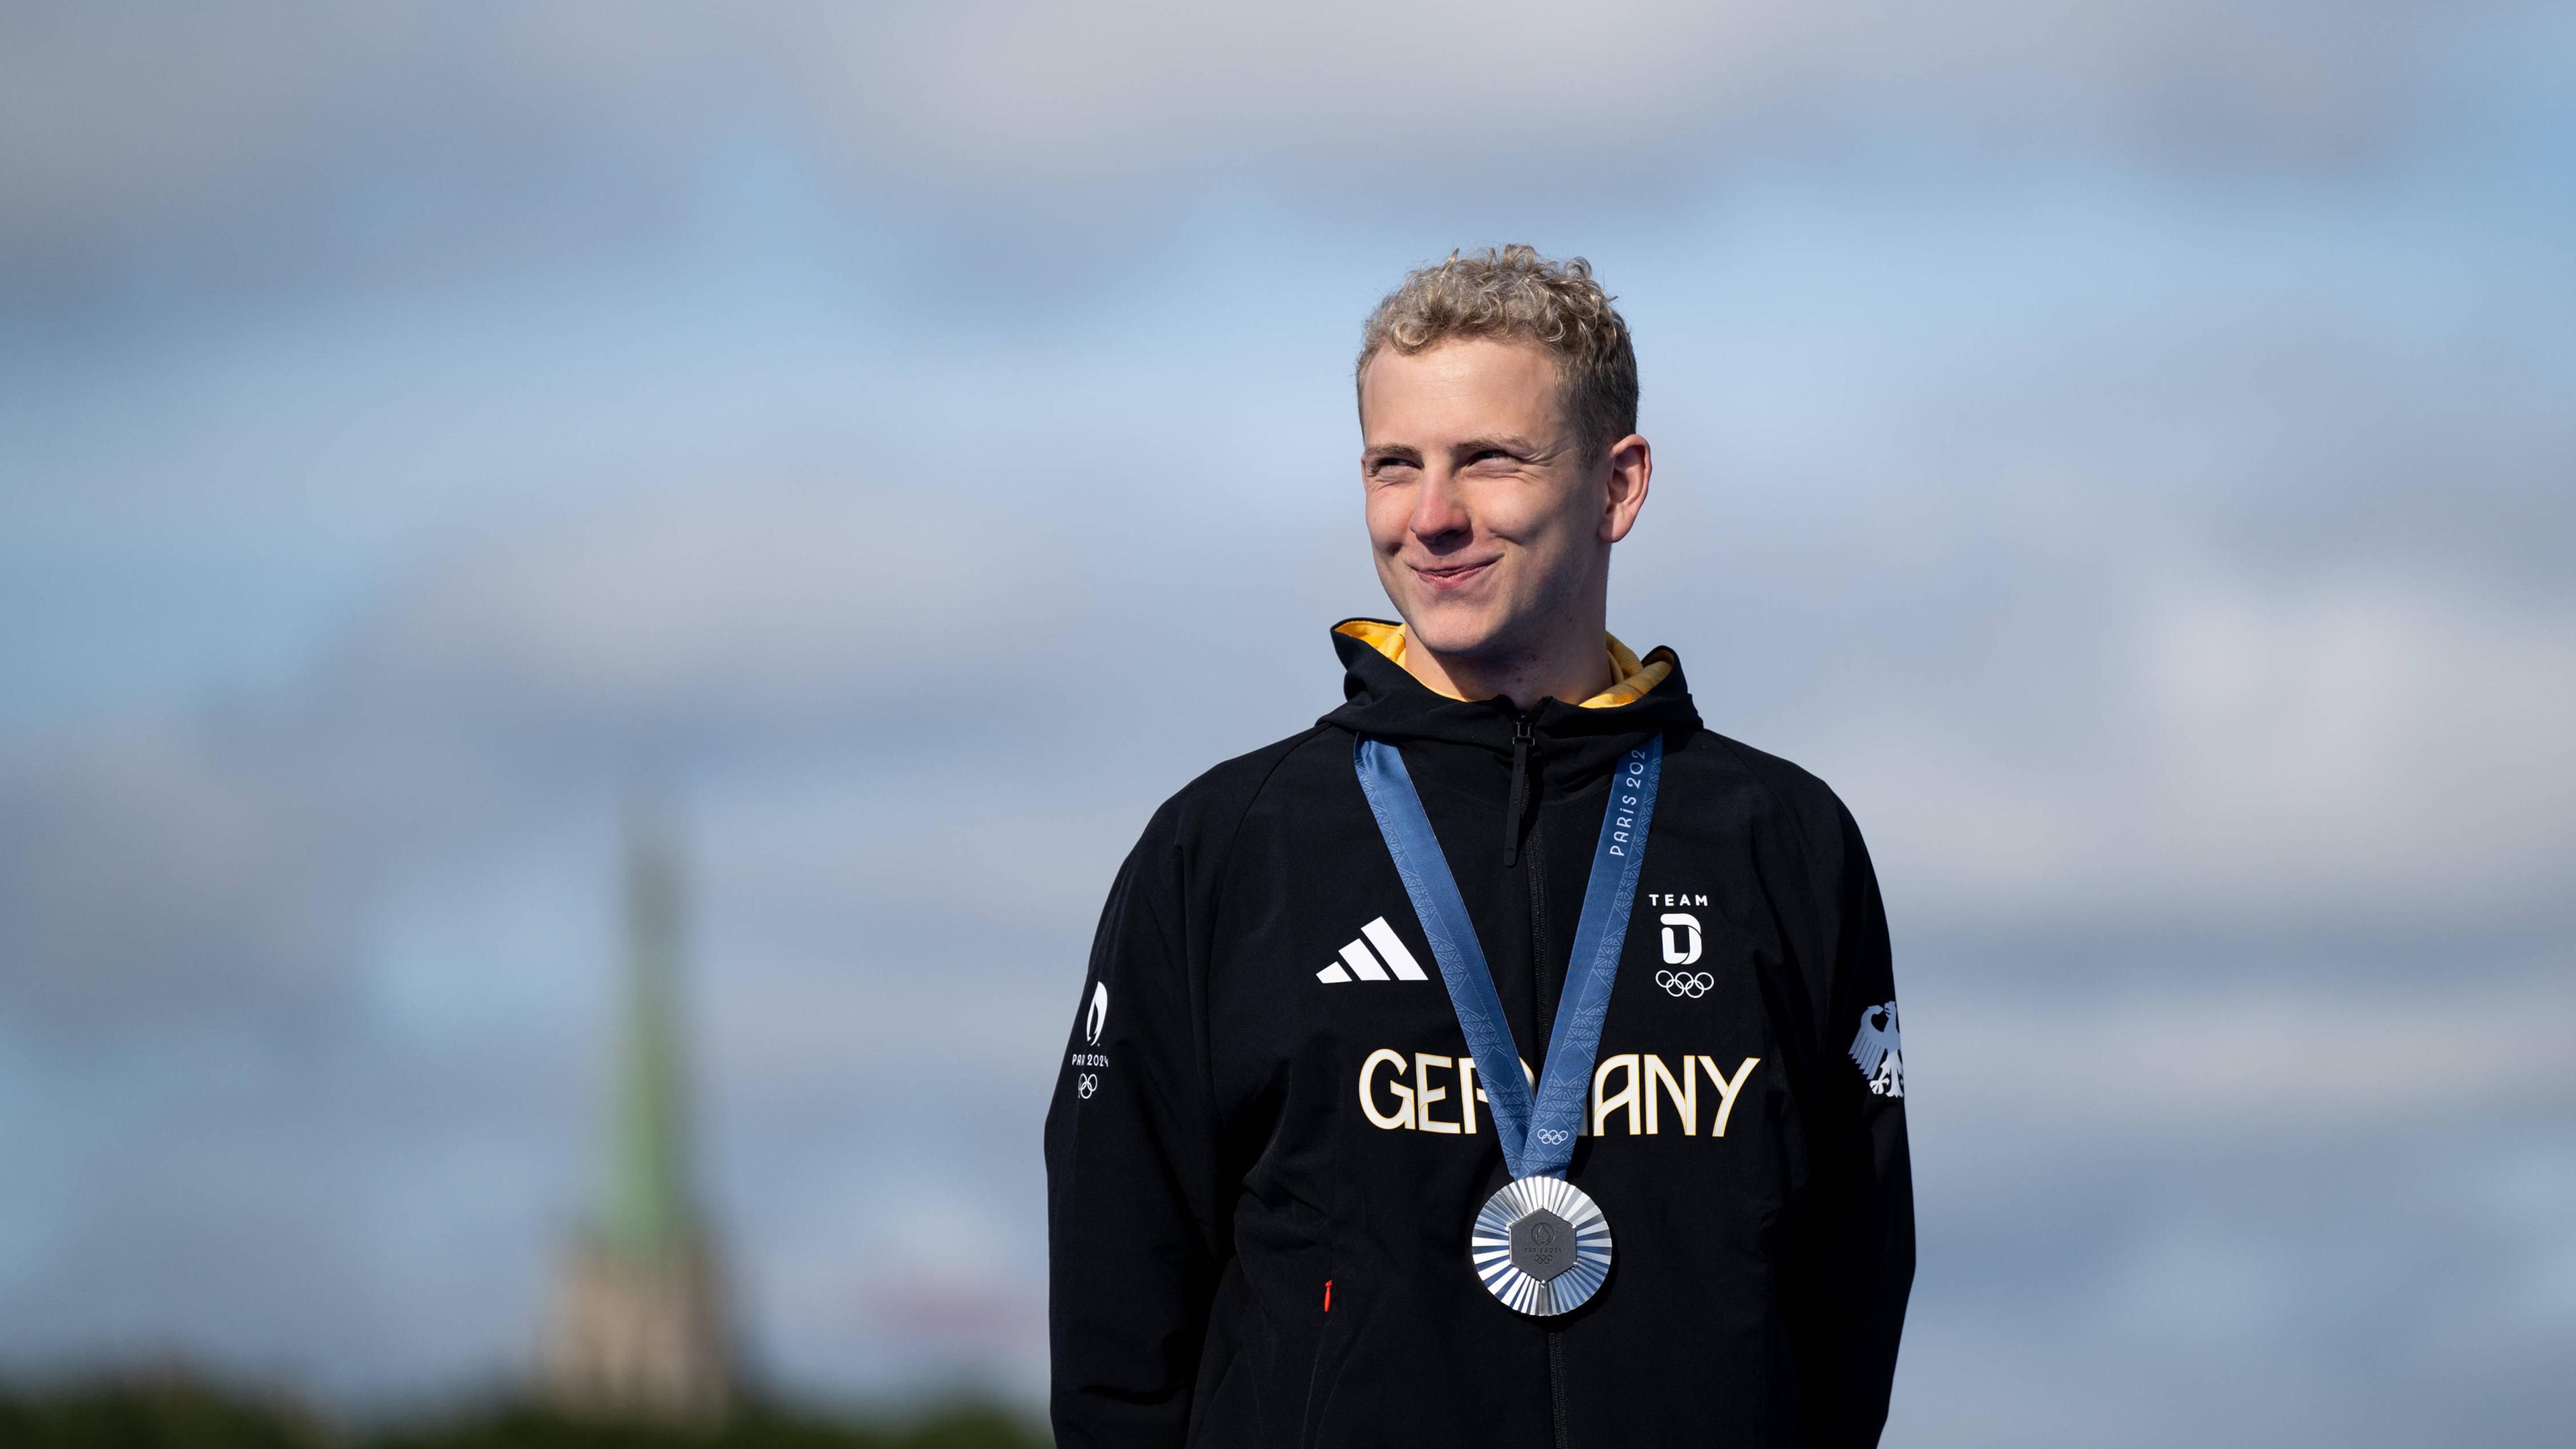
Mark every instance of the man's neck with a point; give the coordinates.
(1573, 667)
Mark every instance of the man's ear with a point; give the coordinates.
(1632, 471)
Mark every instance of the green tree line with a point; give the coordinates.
(187, 1414)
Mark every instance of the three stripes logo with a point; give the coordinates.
(1358, 964)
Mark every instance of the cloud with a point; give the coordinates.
(2217, 1063)
(2358, 1290)
(146, 877)
(340, 126)
(2355, 745)
(741, 600)
(222, 864)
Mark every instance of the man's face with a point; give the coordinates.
(1488, 521)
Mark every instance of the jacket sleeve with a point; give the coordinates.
(1130, 1154)
(1857, 1249)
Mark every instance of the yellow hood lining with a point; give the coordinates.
(1635, 677)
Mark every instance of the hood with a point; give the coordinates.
(1575, 743)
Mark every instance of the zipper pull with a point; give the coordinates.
(1522, 738)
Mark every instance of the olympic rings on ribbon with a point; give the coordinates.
(1690, 984)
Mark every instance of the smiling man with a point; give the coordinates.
(1508, 1060)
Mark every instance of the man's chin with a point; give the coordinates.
(1453, 632)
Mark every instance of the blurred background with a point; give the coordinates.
(590, 596)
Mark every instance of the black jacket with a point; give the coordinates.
(1261, 1166)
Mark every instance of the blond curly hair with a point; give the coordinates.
(1514, 293)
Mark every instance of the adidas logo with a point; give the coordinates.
(1366, 967)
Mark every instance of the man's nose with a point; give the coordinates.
(1437, 508)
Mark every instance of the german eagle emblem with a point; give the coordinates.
(1878, 1051)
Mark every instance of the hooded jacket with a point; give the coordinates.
(1266, 1145)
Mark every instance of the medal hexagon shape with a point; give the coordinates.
(1542, 1245)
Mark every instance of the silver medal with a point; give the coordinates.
(1541, 1245)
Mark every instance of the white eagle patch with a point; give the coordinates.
(1878, 1051)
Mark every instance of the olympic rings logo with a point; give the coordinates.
(1553, 1135)
(1089, 1084)
(1691, 984)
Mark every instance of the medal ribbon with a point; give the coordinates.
(1537, 1137)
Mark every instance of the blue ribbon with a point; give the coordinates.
(1537, 1138)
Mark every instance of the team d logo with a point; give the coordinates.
(1681, 939)
(1878, 1053)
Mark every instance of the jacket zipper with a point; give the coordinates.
(1556, 1386)
(1522, 738)
(1538, 944)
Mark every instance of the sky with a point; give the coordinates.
(2124, 449)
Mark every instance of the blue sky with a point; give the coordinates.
(2126, 453)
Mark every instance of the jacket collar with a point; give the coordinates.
(1577, 743)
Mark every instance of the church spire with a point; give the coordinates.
(647, 1212)
(639, 1325)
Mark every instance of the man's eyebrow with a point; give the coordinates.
(1390, 450)
(1505, 444)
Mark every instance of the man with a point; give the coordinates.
(1291, 1199)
